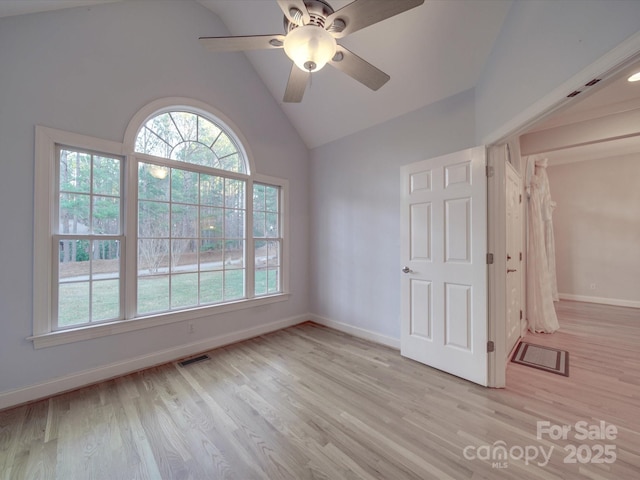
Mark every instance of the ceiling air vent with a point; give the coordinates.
(573, 94)
(592, 82)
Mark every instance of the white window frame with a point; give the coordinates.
(47, 140)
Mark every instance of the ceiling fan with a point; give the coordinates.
(311, 30)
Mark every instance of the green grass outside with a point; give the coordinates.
(155, 294)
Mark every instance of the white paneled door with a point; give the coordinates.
(444, 271)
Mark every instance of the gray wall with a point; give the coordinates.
(355, 193)
(597, 227)
(544, 43)
(355, 211)
(88, 71)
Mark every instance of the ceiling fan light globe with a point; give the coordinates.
(310, 47)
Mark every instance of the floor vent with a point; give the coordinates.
(189, 361)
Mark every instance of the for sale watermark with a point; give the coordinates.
(599, 448)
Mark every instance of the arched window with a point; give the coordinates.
(191, 138)
(191, 216)
(156, 228)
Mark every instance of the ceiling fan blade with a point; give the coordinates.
(236, 44)
(296, 85)
(359, 69)
(362, 13)
(289, 8)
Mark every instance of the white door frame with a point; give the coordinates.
(606, 66)
(497, 246)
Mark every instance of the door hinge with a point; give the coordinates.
(520, 199)
(520, 256)
(491, 347)
(520, 314)
(489, 171)
(489, 258)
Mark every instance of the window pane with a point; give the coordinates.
(273, 253)
(153, 256)
(267, 261)
(234, 254)
(211, 190)
(184, 186)
(211, 287)
(233, 163)
(105, 300)
(272, 195)
(234, 224)
(211, 222)
(224, 146)
(260, 287)
(75, 171)
(153, 182)
(266, 224)
(73, 260)
(184, 256)
(73, 303)
(74, 213)
(271, 225)
(211, 254)
(258, 197)
(258, 225)
(106, 176)
(106, 215)
(193, 152)
(184, 290)
(234, 193)
(184, 221)
(273, 280)
(233, 284)
(207, 131)
(190, 138)
(164, 127)
(187, 124)
(153, 294)
(153, 219)
(150, 143)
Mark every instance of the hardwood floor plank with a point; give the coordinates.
(309, 402)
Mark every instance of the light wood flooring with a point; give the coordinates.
(309, 402)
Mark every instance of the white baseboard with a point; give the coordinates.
(357, 331)
(88, 377)
(604, 301)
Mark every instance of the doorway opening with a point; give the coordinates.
(600, 125)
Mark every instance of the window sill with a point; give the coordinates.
(62, 337)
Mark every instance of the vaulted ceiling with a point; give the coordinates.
(431, 52)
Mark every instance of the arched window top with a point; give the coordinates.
(191, 138)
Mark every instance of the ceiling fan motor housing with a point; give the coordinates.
(318, 11)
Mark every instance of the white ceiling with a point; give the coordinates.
(431, 52)
(10, 8)
(613, 95)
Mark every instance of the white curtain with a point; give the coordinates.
(542, 287)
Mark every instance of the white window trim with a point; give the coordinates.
(46, 140)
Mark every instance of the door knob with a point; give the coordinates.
(407, 270)
(509, 270)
